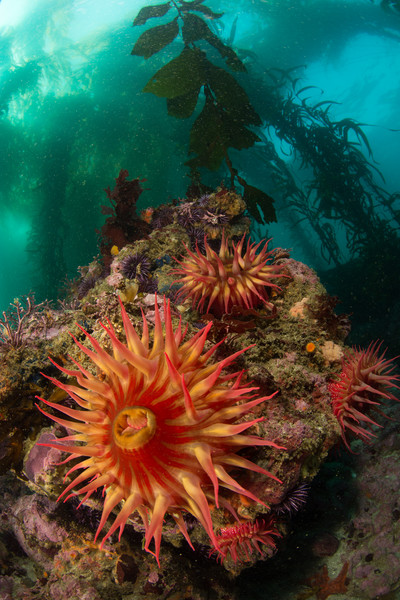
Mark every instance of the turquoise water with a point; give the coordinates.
(322, 76)
(73, 114)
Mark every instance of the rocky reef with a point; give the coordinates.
(295, 345)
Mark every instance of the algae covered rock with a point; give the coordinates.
(286, 346)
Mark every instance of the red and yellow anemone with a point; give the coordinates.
(218, 282)
(366, 378)
(158, 431)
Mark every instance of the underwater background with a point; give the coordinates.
(73, 114)
(314, 148)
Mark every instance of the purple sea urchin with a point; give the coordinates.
(86, 284)
(188, 213)
(196, 236)
(162, 216)
(294, 500)
(135, 266)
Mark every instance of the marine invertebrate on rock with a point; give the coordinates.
(213, 222)
(159, 429)
(150, 286)
(163, 215)
(239, 541)
(147, 214)
(86, 284)
(204, 199)
(188, 213)
(135, 266)
(218, 282)
(310, 347)
(215, 218)
(196, 237)
(322, 586)
(294, 500)
(366, 377)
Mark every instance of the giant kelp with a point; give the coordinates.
(227, 117)
(343, 186)
(60, 178)
(341, 183)
(391, 6)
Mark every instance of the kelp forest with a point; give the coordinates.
(186, 102)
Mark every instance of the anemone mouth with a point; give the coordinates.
(133, 427)
(159, 457)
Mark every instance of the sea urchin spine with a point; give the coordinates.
(136, 266)
(158, 431)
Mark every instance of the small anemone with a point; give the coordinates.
(241, 541)
(366, 379)
(136, 266)
(238, 276)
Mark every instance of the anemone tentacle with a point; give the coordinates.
(240, 541)
(218, 282)
(366, 377)
(160, 431)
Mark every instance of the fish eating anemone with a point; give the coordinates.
(237, 276)
(160, 429)
(366, 379)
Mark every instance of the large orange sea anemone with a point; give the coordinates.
(218, 282)
(159, 430)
